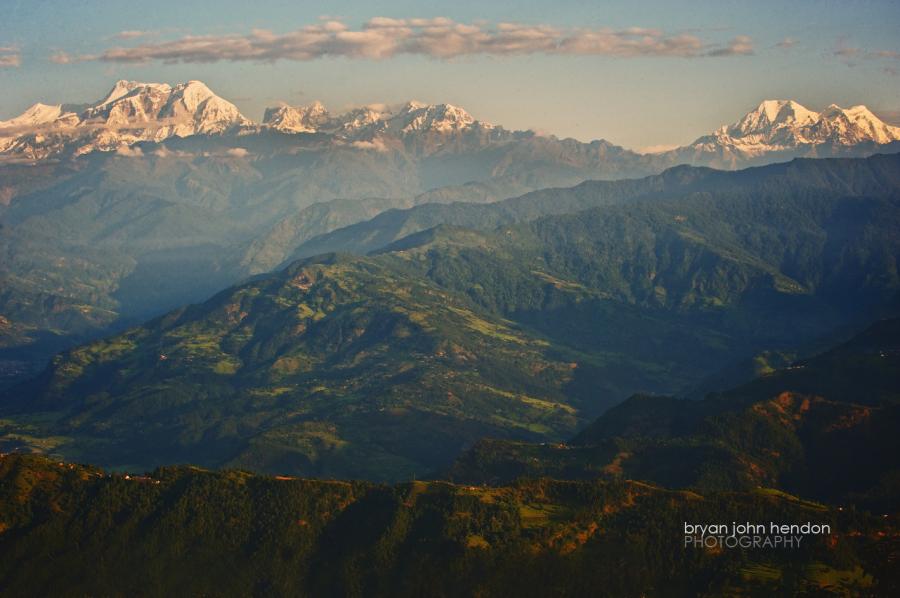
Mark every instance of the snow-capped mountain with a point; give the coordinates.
(130, 112)
(133, 112)
(414, 127)
(852, 125)
(296, 119)
(37, 115)
(784, 126)
(412, 117)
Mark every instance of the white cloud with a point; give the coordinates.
(742, 45)
(658, 149)
(10, 57)
(238, 152)
(61, 58)
(130, 151)
(439, 38)
(133, 34)
(164, 152)
(374, 145)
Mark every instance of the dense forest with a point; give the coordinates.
(70, 530)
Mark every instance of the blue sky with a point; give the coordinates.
(636, 73)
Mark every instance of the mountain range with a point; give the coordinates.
(129, 113)
(578, 347)
(522, 329)
(157, 196)
(135, 112)
(195, 197)
(779, 129)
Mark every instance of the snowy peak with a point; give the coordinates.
(194, 103)
(773, 114)
(786, 125)
(192, 94)
(366, 119)
(124, 88)
(39, 114)
(410, 118)
(132, 111)
(439, 117)
(188, 108)
(128, 103)
(855, 125)
(296, 119)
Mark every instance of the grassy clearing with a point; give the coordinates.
(535, 515)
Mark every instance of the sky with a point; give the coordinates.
(645, 75)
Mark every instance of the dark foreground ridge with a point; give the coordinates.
(72, 530)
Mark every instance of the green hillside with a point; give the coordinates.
(875, 176)
(526, 331)
(823, 427)
(333, 367)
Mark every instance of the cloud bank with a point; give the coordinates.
(439, 38)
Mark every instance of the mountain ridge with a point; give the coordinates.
(133, 112)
